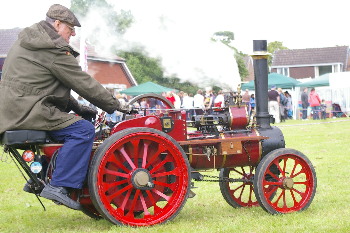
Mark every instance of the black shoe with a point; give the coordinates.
(60, 194)
(29, 187)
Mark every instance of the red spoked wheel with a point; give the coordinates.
(239, 193)
(139, 177)
(285, 181)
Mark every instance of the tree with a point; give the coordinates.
(143, 68)
(272, 47)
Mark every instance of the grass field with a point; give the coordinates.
(326, 143)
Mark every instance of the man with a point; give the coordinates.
(274, 100)
(198, 102)
(315, 103)
(38, 75)
(304, 103)
(246, 99)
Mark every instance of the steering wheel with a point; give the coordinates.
(164, 103)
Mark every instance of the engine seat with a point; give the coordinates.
(20, 137)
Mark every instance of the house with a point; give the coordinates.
(7, 38)
(111, 71)
(311, 62)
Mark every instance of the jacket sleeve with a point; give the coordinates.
(66, 68)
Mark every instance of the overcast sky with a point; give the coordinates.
(297, 23)
(173, 27)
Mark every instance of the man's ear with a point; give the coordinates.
(56, 24)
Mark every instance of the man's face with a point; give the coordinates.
(65, 30)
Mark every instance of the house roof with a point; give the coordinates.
(7, 38)
(311, 56)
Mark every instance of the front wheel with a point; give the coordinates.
(139, 177)
(285, 181)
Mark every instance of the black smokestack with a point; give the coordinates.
(261, 83)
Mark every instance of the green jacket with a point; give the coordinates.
(38, 74)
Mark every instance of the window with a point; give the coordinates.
(324, 70)
(284, 71)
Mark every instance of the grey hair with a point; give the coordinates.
(50, 20)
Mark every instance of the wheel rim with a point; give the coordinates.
(240, 194)
(288, 183)
(142, 179)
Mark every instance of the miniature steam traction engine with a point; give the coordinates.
(141, 169)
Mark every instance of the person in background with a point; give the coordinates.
(304, 103)
(170, 96)
(282, 104)
(198, 102)
(252, 104)
(246, 99)
(177, 103)
(274, 99)
(187, 104)
(219, 100)
(289, 106)
(315, 103)
(323, 108)
(39, 73)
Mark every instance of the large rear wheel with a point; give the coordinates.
(285, 181)
(139, 177)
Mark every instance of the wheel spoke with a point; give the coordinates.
(294, 167)
(164, 184)
(284, 199)
(265, 182)
(279, 197)
(113, 195)
(144, 206)
(145, 154)
(234, 169)
(251, 192)
(150, 196)
(126, 198)
(279, 167)
(293, 197)
(175, 172)
(161, 194)
(300, 172)
(107, 185)
(240, 195)
(298, 192)
(115, 173)
(302, 182)
(284, 166)
(270, 191)
(127, 157)
(272, 174)
(136, 143)
(166, 160)
(113, 159)
(133, 204)
(160, 150)
(232, 191)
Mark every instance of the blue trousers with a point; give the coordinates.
(73, 157)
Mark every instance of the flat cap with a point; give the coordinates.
(62, 13)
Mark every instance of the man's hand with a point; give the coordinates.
(127, 109)
(87, 110)
(87, 113)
